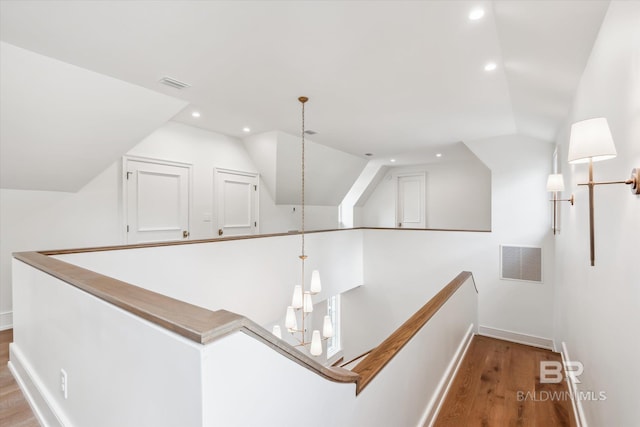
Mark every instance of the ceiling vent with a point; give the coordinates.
(310, 132)
(177, 84)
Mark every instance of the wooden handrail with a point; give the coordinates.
(342, 365)
(230, 238)
(204, 326)
(195, 323)
(387, 350)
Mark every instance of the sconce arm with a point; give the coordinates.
(634, 181)
(629, 181)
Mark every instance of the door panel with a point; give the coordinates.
(237, 204)
(236, 198)
(157, 202)
(411, 201)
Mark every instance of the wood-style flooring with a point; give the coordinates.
(14, 409)
(484, 393)
(498, 384)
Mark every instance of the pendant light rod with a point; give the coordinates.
(302, 301)
(303, 257)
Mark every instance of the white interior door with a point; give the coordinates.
(410, 205)
(157, 201)
(237, 201)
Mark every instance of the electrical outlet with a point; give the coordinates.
(64, 383)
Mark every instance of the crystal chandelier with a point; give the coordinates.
(301, 303)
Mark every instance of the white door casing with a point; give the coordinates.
(410, 200)
(236, 197)
(156, 200)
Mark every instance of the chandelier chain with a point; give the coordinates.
(302, 196)
(301, 303)
(303, 256)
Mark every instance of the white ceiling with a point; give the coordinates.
(61, 125)
(385, 77)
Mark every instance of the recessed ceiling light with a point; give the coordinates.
(246, 129)
(392, 160)
(195, 114)
(476, 14)
(439, 155)
(490, 66)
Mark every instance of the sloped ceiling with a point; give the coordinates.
(329, 173)
(61, 125)
(384, 77)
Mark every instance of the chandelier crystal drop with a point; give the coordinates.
(301, 300)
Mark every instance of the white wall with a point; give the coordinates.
(121, 370)
(255, 386)
(32, 220)
(329, 172)
(204, 150)
(458, 195)
(403, 268)
(406, 390)
(262, 149)
(283, 218)
(252, 277)
(134, 373)
(282, 393)
(39, 220)
(520, 215)
(365, 184)
(598, 308)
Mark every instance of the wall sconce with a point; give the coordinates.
(591, 141)
(555, 183)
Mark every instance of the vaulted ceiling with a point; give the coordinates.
(383, 77)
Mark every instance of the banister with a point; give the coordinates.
(360, 356)
(195, 323)
(230, 238)
(387, 350)
(204, 326)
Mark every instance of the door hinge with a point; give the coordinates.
(127, 228)
(255, 223)
(128, 173)
(255, 188)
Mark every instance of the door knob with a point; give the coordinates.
(185, 234)
(220, 231)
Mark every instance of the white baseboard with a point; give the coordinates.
(431, 412)
(578, 410)
(516, 337)
(6, 320)
(32, 388)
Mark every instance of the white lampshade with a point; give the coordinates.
(290, 321)
(277, 331)
(327, 327)
(308, 303)
(316, 286)
(591, 140)
(296, 301)
(555, 182)
(316, 344)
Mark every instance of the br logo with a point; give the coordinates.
(551, 371)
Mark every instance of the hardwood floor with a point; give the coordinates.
(498, 385)
(14, 409)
